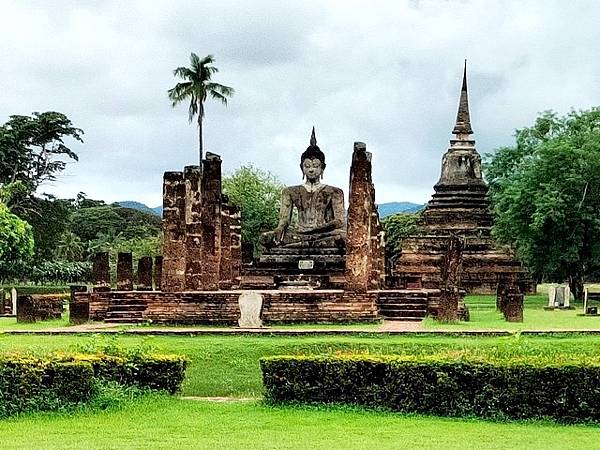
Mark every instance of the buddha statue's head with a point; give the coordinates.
(312, 161)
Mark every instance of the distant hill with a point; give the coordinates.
(385, 209)
(388, 209)
(141, 207)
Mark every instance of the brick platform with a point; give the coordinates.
(221, 307)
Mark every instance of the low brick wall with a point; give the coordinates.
(31, 308)
(221, 307)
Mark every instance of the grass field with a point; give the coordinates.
(170, 423)
(484, 316)
(228, 366)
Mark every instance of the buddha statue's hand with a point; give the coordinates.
(278, 234)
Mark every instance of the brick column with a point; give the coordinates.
(451, 271)
(359, 220)
(193, 228)
(144, 274)
(101, 272)
(79, 310)
(235, 229)
(211, 221)
(124, 272)
(376, 258)
(509, 298)
(157, 274)
(26, 309)
(225, 279)
(173, 225)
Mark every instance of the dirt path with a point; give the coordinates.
(401, 325)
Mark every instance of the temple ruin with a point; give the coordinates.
(324, 267)
(459, 207)
(322, 270)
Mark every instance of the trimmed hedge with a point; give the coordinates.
(156, 372)
(433, 385)
(32, 384)
(59, 381)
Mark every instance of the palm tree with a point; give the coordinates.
(197, 87)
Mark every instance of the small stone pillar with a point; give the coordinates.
(235, 228)
(101, 272)
(158, 267)
(124, 272)
(193, 226)
(451, 277)
(211, 221)
(26, 309)
(174, 252)
(510, 299)
(13, 301)
(144, 274)
(79, 309)
(359, 220)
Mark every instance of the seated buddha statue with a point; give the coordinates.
(320, 209)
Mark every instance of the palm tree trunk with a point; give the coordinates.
(200, 143)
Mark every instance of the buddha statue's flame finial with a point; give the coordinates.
(313, 138)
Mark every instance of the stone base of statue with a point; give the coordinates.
(303, 259)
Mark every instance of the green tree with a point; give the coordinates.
(196, 88)
(90, 223)
(545, 192)
(258, 195)
(33, 151)
(396, 228)
(49, 218)
(69, 247)
(16, 242)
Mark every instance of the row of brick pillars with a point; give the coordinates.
(201, 232)
(149, 272)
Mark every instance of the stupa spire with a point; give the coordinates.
(313, 138)
(463, 118)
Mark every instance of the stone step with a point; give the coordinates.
(408, 306)
(402, 313)
(127, 301)
(125, 314)
(132, 307)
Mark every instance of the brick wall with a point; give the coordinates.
(212, 307)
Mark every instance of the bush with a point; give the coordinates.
(60, 381)
(512, 389)
(156, 372)
(33, 384)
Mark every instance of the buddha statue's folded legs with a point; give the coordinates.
(294, 239)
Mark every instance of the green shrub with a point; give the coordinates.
(59, 381)
(33, 384)
(512, 389)
(156, 372)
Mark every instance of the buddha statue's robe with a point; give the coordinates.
(320, 218)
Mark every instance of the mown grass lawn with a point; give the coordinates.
(484, 316)
(171, 423)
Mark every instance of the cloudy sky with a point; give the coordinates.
(383, 72)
